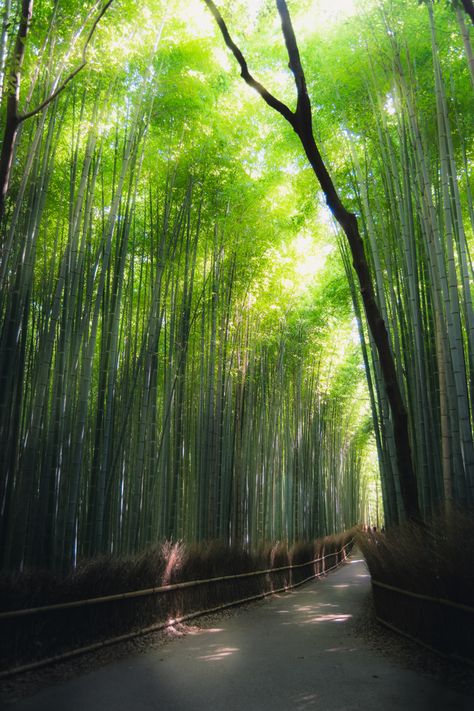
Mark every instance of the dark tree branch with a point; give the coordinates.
(304, 121)
(271, 100)
(301, 121)
(73, 74)
(13, 117)
(51, 97)
(14, 79)
(304, 104)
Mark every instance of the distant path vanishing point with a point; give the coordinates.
(293, 652)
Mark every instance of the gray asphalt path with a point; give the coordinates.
(296, 651)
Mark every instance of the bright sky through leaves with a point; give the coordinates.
(335, 10)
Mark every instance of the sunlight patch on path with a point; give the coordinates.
(329, 618)
(219, 654)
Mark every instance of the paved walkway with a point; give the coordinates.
(296, 651)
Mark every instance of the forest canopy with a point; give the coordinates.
(183, 349)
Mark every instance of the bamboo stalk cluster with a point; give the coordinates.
(418, 225)
(138, 401)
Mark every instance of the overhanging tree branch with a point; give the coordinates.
(301, 121)
(46, 102)
(13, 117)
(272, 101)
(74, 73)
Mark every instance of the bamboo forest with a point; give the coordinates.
(222, 317)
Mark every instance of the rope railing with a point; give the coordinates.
(167, 588)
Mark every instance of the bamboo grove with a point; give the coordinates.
(419, 225)
(167, 370)
(142, 396)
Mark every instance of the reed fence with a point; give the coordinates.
(37, 636)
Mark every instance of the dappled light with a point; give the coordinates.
(328, 618)
(174, 557)
(174, 628)
(321, 612)
(195, 631)
(305, 701)
(218, 654)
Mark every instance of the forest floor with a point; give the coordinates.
(318, 647)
